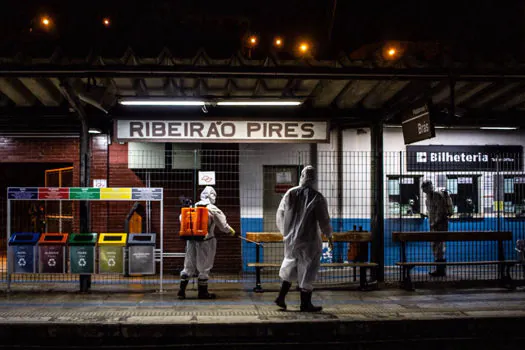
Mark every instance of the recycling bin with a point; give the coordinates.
(111, 252)
(141, 254)
(82, 252)
(52, 253)
(22, 252)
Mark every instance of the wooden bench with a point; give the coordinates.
(452, 236)
(361, 259)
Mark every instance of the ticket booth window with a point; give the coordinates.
(404, 195)
(514, 195)
(464, 191)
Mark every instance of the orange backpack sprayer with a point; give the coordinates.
(193, 221)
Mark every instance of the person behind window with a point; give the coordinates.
(438, 213)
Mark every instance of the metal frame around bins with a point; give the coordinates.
(161, 200)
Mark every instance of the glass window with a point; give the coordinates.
(514, 195)
(403, 195)
(464, 191)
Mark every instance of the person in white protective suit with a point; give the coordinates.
(438, 213)
(303, 211)
(200, 255)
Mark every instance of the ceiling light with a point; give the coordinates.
(498, 128)
(94, 131)
(106, 22)
(259, 103)
(45, 21)
(161, 103)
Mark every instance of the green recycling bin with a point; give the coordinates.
(82, 252)
(111, 252)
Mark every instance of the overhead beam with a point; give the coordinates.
(17, 92)
(281, 72)
(44, 91)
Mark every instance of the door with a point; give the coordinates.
(277, 180)
(59, 214)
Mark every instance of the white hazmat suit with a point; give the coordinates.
(200, 255)
(301, 213)
(437, 213)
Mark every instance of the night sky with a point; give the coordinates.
(487, 28)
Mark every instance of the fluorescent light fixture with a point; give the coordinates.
(94, 131)
(260, 103)
(152, 102)
(498, 128)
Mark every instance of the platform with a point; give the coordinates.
(55, 316)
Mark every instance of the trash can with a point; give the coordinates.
(141, 254)
(82, 252)
(22, 252)
(111, 252)
(52, 253)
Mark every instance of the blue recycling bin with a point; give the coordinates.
(22, 252)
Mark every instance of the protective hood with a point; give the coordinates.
(208, 193)
(308, 177)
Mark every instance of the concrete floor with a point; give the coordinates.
(57, 316)
(237, 303)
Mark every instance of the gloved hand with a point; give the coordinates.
(232, 232)
(331, 243)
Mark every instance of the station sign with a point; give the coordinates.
(464, 158)
(222, 131)
(417, 125)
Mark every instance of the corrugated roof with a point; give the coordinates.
(342, 87)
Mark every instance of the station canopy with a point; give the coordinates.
(39, 93)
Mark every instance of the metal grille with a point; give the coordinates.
(490, 196)
(250, 181)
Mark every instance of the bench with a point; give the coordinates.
(353, 237)
(451, 236)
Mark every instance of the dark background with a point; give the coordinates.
(487, 29)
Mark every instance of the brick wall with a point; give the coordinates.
(110, 216)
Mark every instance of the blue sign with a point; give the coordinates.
(23, 259)
(22, 193)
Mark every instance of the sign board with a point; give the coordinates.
(146, 194)
(206, 178)
(84, 193)
(283, 177)
(115, 193)
(464, 158)
(222, 131)
(22, 193)
(417, 125)
(100, 183)
(53, 193)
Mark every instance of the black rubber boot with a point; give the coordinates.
(182, 289)
(203, 290)
(280, 301)
(306, 302)
(440, 269)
